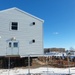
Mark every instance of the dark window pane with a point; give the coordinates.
(14, 26)
(9, 44)
(14, 23)
(15, 44)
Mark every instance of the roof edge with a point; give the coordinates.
(23, 12)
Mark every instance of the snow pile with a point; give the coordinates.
(41, 70)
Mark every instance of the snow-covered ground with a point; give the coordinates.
(41, 70)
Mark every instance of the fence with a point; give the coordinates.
(41, 65)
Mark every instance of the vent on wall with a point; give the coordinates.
(33, 23)
(33, 40)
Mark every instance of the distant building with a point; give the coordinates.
(47, 50)
(71, 52)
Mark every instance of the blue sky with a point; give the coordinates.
(58, 16)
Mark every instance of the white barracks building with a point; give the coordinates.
(21, 33)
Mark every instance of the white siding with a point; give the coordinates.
(24, 34)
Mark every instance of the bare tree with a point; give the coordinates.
(72, 49)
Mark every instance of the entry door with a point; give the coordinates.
(12, 48)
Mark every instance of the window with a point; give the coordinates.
(10, 44)
(15, 44)
(14, 26)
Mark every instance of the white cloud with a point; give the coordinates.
(55, 33)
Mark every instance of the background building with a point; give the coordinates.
(47, 50)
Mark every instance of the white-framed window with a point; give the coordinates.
(13, 44)
(14, 25)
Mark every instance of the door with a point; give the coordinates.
(12, 48)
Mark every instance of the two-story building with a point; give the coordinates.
(21, 34)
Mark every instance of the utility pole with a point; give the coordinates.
(29, 65)
(8, 65)
(68, 55)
